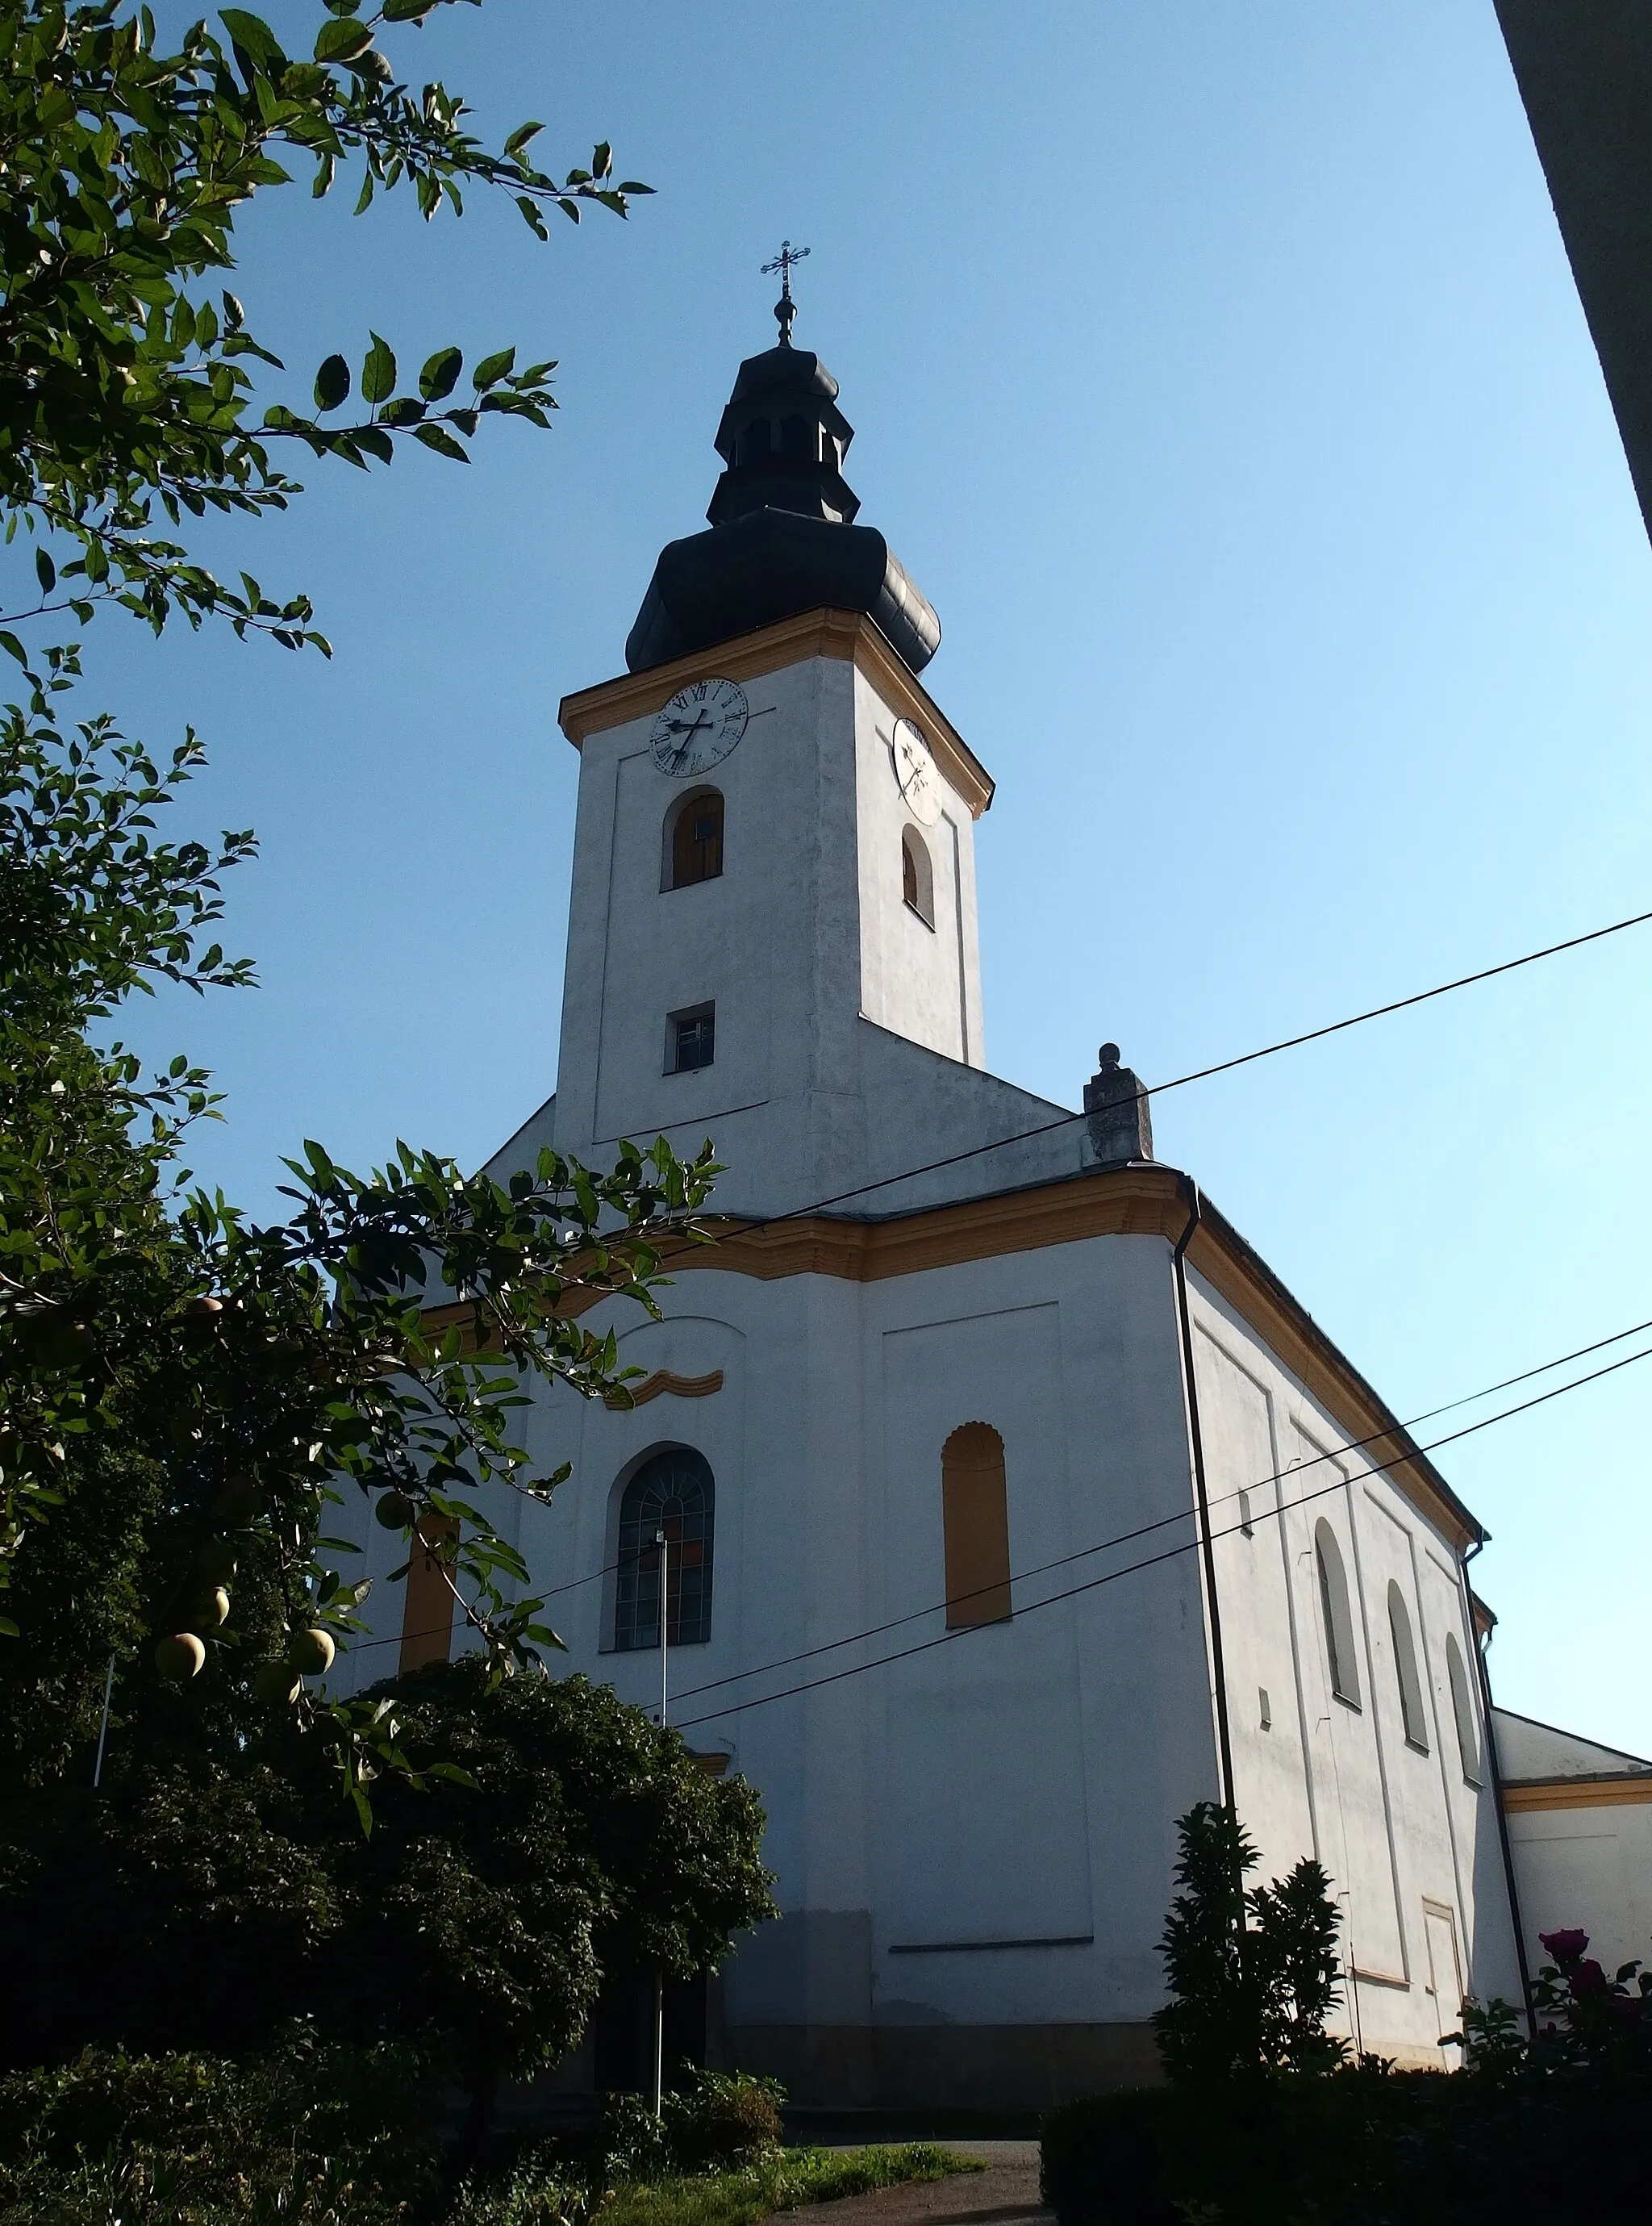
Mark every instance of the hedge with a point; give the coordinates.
(1363, 2147)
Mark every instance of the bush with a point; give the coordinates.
(1361, 2146)
(179, 2137)
(724, 2119)
(720, 2122)
(1099, 2159)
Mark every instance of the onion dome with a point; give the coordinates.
(783, 537)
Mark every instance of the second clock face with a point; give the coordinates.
(700, 725)
(915, 772)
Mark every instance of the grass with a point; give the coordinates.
(144, 2191)
(780, 2183)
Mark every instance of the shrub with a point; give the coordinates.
(1363, 2146)
(136, 2138)
(1099, 2159)
(1252, 1969)
(720, 2122)
(724, 2119)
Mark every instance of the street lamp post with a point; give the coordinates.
(664, 1546)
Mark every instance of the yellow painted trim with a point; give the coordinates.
(663, 1380)
(1578, 1793)
(847, 637)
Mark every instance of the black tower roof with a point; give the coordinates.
(783, 537)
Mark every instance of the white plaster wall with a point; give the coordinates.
(1410, 1843)
(921, 982)
(1590, 1866)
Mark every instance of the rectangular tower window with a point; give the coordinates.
(691, 1039)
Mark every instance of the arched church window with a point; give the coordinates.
(975, 1524)
(917, 875)
(753, 444)
(799, 438)
(673, 1494)
(1404, 1667)
(1468, 1735)
(1338, 1615)
(696, 839)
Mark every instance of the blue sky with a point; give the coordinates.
(1219, 374)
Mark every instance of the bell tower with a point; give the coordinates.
(772, 929)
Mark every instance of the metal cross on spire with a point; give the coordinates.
(785, 308)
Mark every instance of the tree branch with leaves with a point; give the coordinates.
(125, 389)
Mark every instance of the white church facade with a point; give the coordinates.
(1010, 1506)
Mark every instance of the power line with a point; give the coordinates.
(1204, 1073)
(1110, 1576)
(1125, 1538)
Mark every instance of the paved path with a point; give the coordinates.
(1004, 2194)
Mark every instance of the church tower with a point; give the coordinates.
(772, 932)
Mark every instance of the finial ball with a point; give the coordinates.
(1109, 1055)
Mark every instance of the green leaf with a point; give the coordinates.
(444, 443)
(46, 571)
(493, 368)
(521, 138)
(407, 11)
(341, 7)
(12, 647)
(332, 383)
(254, 37)
(441, 374)
(378, 373)
(341, 39)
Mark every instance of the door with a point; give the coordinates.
(1445, 1967)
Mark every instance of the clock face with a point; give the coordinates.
(915, 773)
(701, 724)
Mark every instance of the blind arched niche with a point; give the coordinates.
(975, 1518)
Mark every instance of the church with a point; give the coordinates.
(1009, 1503)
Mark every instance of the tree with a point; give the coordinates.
(1252, 1971)
(215, 1381)
(559, 1837)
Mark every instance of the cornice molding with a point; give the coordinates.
(1576, 1793)
(623, 1397)
(1141, 1199)
(847, 637)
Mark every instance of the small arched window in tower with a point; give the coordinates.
(917, 875)
(1468, 1736)
(799, 438)
(975, 1526)
(673, 1494)
(1338, 1615)
(1405, 1670)
(753, 446)
(695, 845)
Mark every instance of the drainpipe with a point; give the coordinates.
(1495, 1768)
(1190, 1191)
